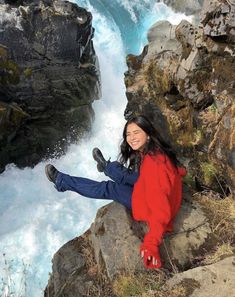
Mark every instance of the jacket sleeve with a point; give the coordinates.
(157, 192)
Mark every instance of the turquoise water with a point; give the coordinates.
(35, 220)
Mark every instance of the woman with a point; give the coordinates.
(151, 186)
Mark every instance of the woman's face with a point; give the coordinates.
(136, 137)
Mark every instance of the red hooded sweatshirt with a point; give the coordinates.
(156, 198)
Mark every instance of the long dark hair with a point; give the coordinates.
(154, 144)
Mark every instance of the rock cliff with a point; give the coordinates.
(49, 77)
(184, 81)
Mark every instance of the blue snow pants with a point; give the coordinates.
(118, 189)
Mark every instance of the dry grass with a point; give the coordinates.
(101, 285)
(88, 254)
(222, 251)
(152, 284)
(139, 285)
(221, 213)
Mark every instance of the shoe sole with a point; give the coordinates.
(47, 173)
(94, 154)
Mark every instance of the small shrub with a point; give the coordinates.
(208, 171)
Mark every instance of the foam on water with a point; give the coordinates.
(35, 219)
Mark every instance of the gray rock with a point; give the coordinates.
(161, 37)
(116, 238)
(115, 242)
(213, 280)
(70, 277)
(191, 233)
(187, 34)
(218, 18)
(190, 81)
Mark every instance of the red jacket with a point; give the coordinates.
(157, 196)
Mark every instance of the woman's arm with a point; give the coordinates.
(157, 192)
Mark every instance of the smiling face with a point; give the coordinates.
(136, 137)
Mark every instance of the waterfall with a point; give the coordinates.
(35, 219)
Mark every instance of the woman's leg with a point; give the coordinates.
(120, 174)
(93, 189)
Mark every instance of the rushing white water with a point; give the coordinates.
(36, 220)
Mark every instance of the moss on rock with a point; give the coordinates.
(11, 117)
(209, 171)
(158, 80)
(10, 72)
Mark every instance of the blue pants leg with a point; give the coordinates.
(92, 189)
(121, 174)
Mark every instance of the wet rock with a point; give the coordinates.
(11, 118)
(49, 69)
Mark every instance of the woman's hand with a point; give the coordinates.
(150, 257)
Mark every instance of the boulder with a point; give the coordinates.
(70, 276)
(115, 239)
(192, 234)
(111, 247)
(161, 37)
(215, 279)
(115, 236)
(49, 71)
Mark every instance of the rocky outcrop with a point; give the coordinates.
(216, 279)
(111, 247)
(49, 77)
(184, 82)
